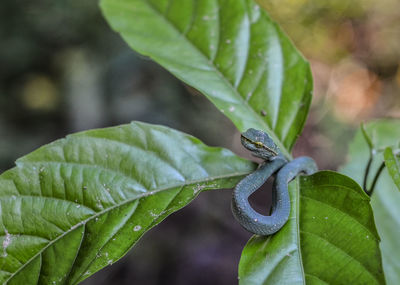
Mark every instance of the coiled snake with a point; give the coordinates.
(261, 145)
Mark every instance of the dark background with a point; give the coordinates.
(63, 70)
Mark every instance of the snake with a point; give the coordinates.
(275, 163)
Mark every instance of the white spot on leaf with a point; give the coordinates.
(6, 242)
(248, 96)
(198, 188)
(153, 214)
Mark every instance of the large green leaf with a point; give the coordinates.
(229, 50)
(393, 165)
(76, 205)
(385, 199)
(330, 238)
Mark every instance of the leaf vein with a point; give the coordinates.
(229, 84)
(344, 213)
(341, 250)
(119, 205)
(316, 277)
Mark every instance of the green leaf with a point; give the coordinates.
(330, 238)
(229, 50)
(78, 204)
(393, 165)
(385, 200)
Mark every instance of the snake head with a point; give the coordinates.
(260, 144)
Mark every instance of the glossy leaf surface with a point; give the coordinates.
(392, 162)
(385, 200)
(330, 238)
(230, 51)
(78, 204)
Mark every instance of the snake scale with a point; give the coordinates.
(262, 146)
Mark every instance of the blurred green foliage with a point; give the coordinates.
(62, 70)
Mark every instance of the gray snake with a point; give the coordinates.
(261, 145)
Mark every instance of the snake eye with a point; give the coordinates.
(259, 144)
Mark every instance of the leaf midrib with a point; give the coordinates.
(297, 221)
(225, 80)
(150, 193)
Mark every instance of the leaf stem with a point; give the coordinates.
(377, 175)
(367, 172)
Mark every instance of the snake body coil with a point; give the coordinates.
(261, 145)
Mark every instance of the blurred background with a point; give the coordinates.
(63, 70)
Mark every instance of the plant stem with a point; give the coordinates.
(377, 175)
(367, 172)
